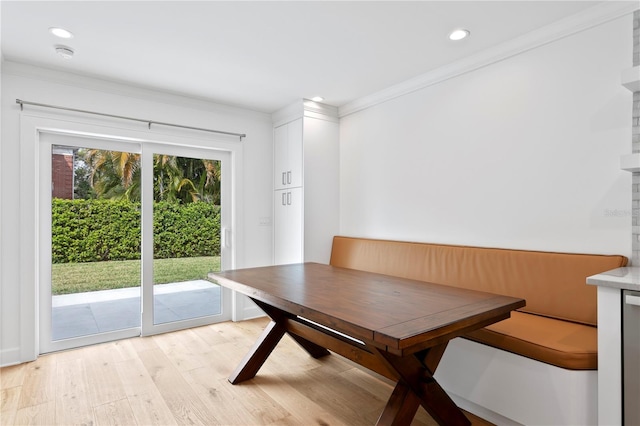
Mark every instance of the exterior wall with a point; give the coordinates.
(62, 176)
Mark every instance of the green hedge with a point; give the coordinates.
(100, 230)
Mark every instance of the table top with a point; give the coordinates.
(393, 313)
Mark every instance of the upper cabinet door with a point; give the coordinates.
(287, 162)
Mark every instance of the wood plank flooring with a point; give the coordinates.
(181, 378)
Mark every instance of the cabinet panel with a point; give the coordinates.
(287, 226)
(287, 141)
(321, 188)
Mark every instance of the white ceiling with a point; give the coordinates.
(265, 55)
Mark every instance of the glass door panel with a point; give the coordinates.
(90, 245)
(186, 213)
(186, 237)
(95, 241)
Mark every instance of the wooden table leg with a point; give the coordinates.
(267, 341)
(259, 353)
(401, 407)
(417, 382)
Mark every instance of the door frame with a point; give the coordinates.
(32, 125)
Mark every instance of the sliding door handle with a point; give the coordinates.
(225, 237)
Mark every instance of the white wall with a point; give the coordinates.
(43, 86)
(522, 153)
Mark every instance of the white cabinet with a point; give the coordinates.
(287, 205)
(287, 143)
(306, 182)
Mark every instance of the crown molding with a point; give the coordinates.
(51, 75)
(304, 108)
(591, 17)
(317, 108)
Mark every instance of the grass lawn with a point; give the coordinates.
(69, 278)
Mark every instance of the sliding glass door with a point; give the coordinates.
(128, 235)
(184, 194)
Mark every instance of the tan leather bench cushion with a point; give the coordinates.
(561, 343)
(553, 284)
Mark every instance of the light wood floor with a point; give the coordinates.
(181, 378)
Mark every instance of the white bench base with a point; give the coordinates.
(505, 388)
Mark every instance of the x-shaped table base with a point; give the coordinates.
(413, 373)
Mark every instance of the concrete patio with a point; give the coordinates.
(81, 314)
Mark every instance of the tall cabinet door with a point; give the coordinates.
(288, 226)
(287, 141)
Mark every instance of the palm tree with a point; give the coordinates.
(169, 181)
(205, 175)
(209, 187)
(114, 174)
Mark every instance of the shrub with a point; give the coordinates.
(100, 230)
(186, 230)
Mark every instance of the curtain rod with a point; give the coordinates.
(149, 122)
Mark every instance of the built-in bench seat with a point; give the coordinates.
(558, 325)
(561, 343)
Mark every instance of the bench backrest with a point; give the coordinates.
(553, 284)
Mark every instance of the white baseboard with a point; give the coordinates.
(10, 356)
(245, 309)
(252, 313)
(482, 412)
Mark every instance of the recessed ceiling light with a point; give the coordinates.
(317, 99)
(65, 52)
(459, 34)
(60, 32)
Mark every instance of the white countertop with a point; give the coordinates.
(627, 278)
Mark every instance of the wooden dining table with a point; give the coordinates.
(394, 326)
